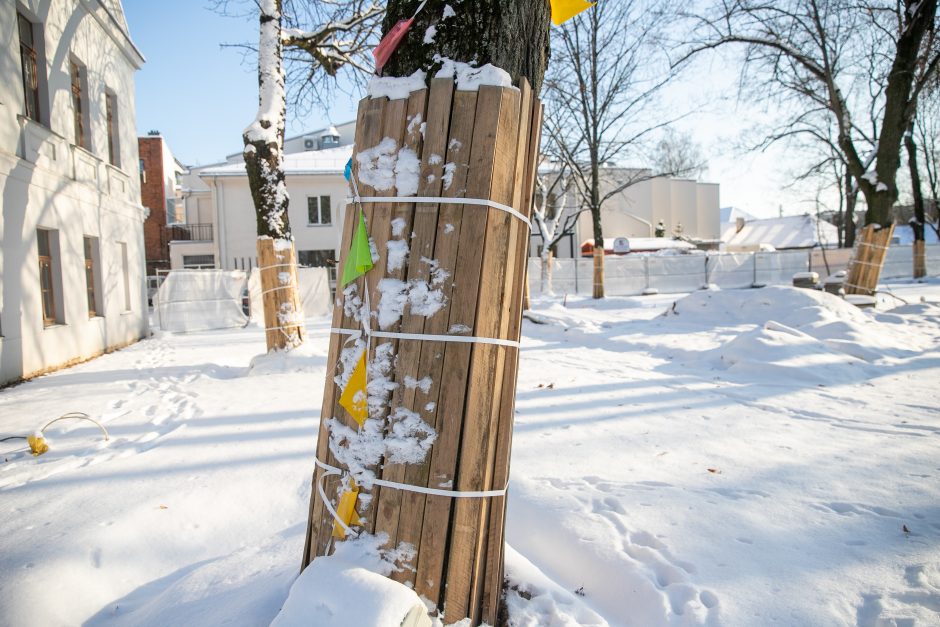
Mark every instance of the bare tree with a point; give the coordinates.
(679, 154)
(927, 135)
(328, 48)
(600, 100)
(855, 62)
(554, 218)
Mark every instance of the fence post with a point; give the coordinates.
(646, 270)
(754, 264)
(705, 284)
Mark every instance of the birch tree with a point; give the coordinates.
(340, 41)
(553, 216)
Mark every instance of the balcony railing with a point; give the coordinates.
(187, 233)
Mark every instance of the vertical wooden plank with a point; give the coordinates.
(485, 365)
(388, 501)
(366, 137)
(526, 159)
(446, 364)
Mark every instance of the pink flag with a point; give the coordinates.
(390, 42)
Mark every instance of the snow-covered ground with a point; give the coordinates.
(754, 457)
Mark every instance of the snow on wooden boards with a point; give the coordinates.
(868, 260)
(478, 145)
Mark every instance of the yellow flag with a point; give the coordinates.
(355, 398)
(564, 10)
(346, 510)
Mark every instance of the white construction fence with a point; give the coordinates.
(630, 275)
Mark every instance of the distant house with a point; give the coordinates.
(685, 207)
(785, 233)
(218, 196)
(72, 276)
(160, 179)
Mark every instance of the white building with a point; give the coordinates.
(219, 194)
(685, 207)
(72, 268)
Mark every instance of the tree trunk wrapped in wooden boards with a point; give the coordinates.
(475, 145)
(867, 260)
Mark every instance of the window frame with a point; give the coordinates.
(316, 207)
(78, 92)
(46, 277)
(112, 118)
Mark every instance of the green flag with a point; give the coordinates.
(359, 259)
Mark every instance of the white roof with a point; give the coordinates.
(328, 161)
(803, 231)
(730, 214)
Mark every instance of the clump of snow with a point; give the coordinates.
(448, 12)
(438, 274)
(414, 122)
(422, 299)
(352, 303)
(448, 177)
(385, 167)
(424, 384)
(396, 88)
(470, 78)
(457, 329)
(397, 254)
(430, 34)
(454, 144)
(398, 227)
(380, 383)
(430, 406)
(351, 587)
(435, 159)
(407, 170)
(409, 437)
(448, 228)
(348, 358)
(307, 357)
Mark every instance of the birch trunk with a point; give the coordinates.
(264, 142)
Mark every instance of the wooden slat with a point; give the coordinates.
(446, 364)
(388, 501)
(368, 135)
(411, 512)
(526, 159)
(491, 178)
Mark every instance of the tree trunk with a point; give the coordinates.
(264, 142)
(851, 199)
(917, 224)
(510, 35)
(475, 257)
(548, 261)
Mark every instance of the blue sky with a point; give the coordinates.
(199, 95)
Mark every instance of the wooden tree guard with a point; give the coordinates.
(920, 259)
(865, 266)
(489, 143)
(278, 269)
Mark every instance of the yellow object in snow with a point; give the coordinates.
(346, 510)
(37, 444)
(564, 10)
(355, 398)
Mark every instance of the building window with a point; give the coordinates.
(126, 273)
(50, 284)
(111, 112)
(30, 66)
(142, 170)
(318, 259)
(77, 76)
(318, 210)
(199, 262)
(92, 278)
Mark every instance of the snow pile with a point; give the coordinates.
(350, 587)
(396, 88)
(470, 78)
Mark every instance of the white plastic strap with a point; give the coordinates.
(276, 265)
(455, 494)
(867, 263)
(326, 501)
(275, 289)
(429, 337)
(484, 202)
(860, 287)
(869, 245)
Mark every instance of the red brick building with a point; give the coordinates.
(159, 193)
